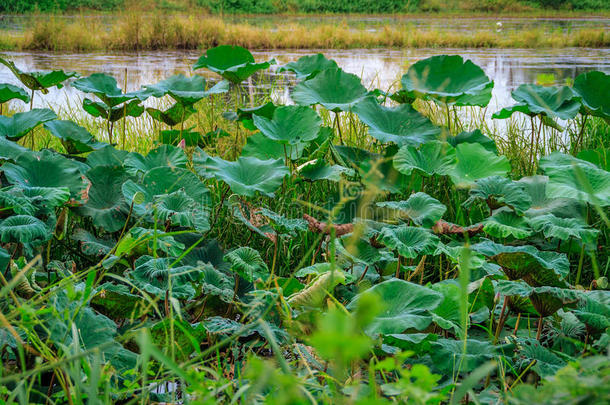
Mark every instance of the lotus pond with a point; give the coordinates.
(349, 246)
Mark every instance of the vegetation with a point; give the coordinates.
(137, 31)
(360, 246)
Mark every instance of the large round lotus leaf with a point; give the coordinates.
(525, 261)
(309, 65)
(319, 170)
(594, 310)
(570, 177)
(499, 191)
(535, 187)
(358, 250)
(449, 355)
(402, 124)
(552, 102)
(39, 80)
(107, 156)
(504, 223)
(246, 175)
(47, 169)
(162, 156)
(74, 138)
(9, 92)
(234, 63)
(420, 208)
(23, 229)
(106, 88)
(17, 126)
(430, 158)
(174, 115)
(290, 125)
(248, 263)
(409, 241)
(405, 306)
(106, 205)
(593, 89)
(448, 79)
(563, 228)
(376, 171)
(132, 108)
(475, 162)
(153, 276)
(259, 146)
(10, 150)
(179, 209)
(245, 115)
(599, 156)
(185, 90)
(475, 136)
(334, 89)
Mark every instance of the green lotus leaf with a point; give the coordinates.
(282, 225)
(549, 102)
(172, 116)
(563, 228)
(545, 362)
(314, 269)
(39, 80)
(358, 250)
(216, 283)
(474, 162)
(47, 169)
(9, 92)
(475, 136)
(261, 147)
(132, 108)
(308, 66)
(246, 175)
(10, 150)
(526, 262)
(447, 314)
(156, 277)
(449, 355)
(23, 229)
(334, 89)
(181, 210)
(375, 170)
(5, 259)
(402, 125)
(409, 241)
(234, 63)
(420, 208)
(191, 138)
(91, 245)
(163, 242)
(536, 187)
(319, 170)
(45, 199)
(594, 310)
(162, 156)
(13, 199)
(105, 87)
(448, 79)
(570, 177)
(185, 90)
(248, 263)
(599, 156)
(291, 125)
(431, 158)
(405, 306)
(592, 88)
(73, 137)
(107, 156)
(17, 126)
(245, 115)
(505, 223)
(117, 301)
(499, 191)
(106, 205)
(416, 342)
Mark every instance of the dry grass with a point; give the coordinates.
(133, 31)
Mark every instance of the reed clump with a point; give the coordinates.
(154, 31)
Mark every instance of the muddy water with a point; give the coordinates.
(378, 68)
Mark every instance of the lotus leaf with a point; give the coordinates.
(245, 176)
(319, 170)
(248, 263)
(17, 126)
(505, 223)
(431, 158)
(420, 208)
(179, 209)
(592, 87)
(600, 157)
(245, 115)
(10, 150)
(475, 162)
(116, 300)
(156, 277)
(172, 116)
(448, 79)
(545, 362)
(99, 109)
(23, 229)
(409, 241)
(563, 228)
(73, 137)
(475, 136)
(282, 225)
(185, 90)
(92, 246)
(106, 88)
(9, 92)
(405, 306)
(358, 250)
(162, 156)
(450, 356)
(499, 191)
(402, 124)
(334, 89)
(39, 80)
(291, 125)
(570, 177)
(107, 156)
(536, 187)
(261, 147)
(308, 66)
(594, 310)
(234, 63)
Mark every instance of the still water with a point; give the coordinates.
(378, 68)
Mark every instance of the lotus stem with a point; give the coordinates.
(581, 261)
(539, 332)
(501, 320)
(517, 324)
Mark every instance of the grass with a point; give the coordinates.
(137, 31)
